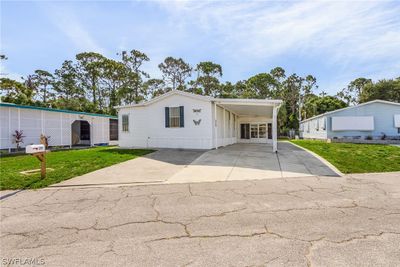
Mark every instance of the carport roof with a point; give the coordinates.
(249, 107)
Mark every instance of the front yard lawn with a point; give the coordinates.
(356, 158)
(66, 164)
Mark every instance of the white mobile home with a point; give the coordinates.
(64, 127)
(183, 120)
(371, 120)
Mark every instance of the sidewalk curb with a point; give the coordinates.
(327, 163)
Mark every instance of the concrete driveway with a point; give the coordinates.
(234, 162)
(252, 162)
(308, 221)
(156, 167)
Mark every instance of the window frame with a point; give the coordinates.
(125, 123)
(262, 125)
(174, 119)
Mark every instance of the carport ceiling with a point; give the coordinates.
(249, 110)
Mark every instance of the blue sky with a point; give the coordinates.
(336, 41)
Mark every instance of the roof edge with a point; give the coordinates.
(346, 108)
(158, 98)
(12, 105)
(199, 97)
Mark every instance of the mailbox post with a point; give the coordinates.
(39, 152)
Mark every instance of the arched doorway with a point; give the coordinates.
(80, 133)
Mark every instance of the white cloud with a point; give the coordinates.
(6, 73)
(69, 24)
(271, 28)
(362, 37)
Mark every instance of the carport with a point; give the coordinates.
(255, 121)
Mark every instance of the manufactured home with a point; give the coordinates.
(63, 127)
(189, 121)
(376, 119)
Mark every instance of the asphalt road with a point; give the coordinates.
(312, 221)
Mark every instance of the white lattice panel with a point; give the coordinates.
(4, 127)
(106, 130)
(5, 131)
(66, 129)
(30, 124)
(57, 125)
(96, 128)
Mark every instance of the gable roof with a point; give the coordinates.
(202, 98)
(359, 105)
(163, 96)
(12, 105)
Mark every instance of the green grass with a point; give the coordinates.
(66, 164)
(356, 158)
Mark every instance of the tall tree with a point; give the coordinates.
(295, 91)
(228, 90)
(352, 93)
(89, 72)
(15, 92)
(113, 79)
(316, 105)
(279, 76)
(43, 82)
(134, 89)
(175, 71)
(262, 85)
(155, 87)
(207, 82)
(69, 94)
(386, 89)
(66, 81)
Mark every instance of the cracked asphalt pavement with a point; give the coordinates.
(310, 221)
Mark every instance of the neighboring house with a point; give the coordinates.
(65, 127)
(370, 120)
(183, 120)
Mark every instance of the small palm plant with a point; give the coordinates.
(18, 138)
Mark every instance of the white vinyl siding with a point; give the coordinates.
(149, 125)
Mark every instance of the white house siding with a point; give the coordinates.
(147, 125)
(383, 120)
(383, 115)
(34, 122)
(314, 129)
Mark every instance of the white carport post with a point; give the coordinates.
(215, 126)
(275, 129)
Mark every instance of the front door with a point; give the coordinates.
(244, 131)
(269, 130)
